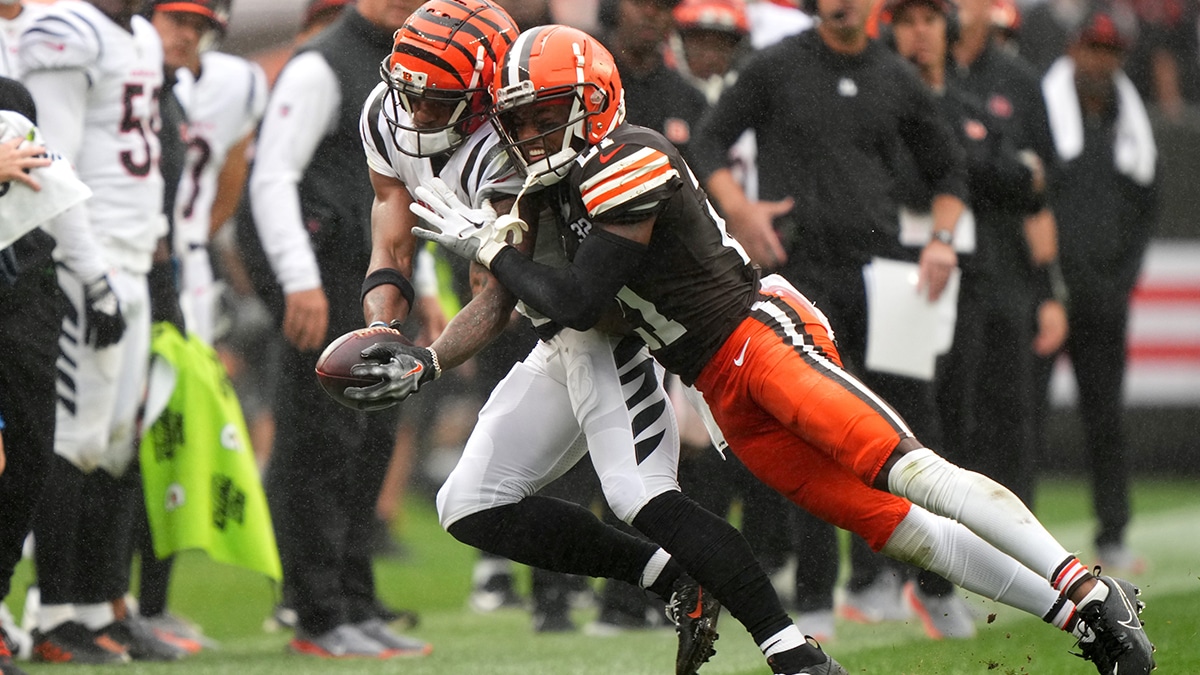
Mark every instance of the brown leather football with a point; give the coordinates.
(334, 364)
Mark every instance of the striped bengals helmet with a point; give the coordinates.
(558, 64)
(446, 52)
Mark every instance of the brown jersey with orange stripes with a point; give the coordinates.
(697, 284)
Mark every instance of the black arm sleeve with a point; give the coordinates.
(573, 296)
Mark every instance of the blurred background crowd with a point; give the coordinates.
(1103, 369)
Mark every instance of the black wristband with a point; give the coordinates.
(388, 275)
(1050, 284)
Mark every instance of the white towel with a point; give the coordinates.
(22, 209)
(1134, 152)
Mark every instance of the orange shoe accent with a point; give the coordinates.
(699, 611)
(189, 646)
(110, 645)
(311, 649)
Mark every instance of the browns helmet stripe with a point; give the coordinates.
(518, 68)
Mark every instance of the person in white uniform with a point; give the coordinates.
(95, 71)
(224, 97)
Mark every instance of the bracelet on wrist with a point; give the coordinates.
(437, 366)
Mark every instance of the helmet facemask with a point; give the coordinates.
(585, 100)
(407, 88)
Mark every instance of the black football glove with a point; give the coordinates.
(105, 325)
(402, 369)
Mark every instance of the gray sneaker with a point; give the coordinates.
(944, 618)
(883, 600)
(402, 645)
(345, 641)
(1115, 641)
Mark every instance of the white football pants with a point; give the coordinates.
(576, 382)
(100, 391)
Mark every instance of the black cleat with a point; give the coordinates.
(72, 642)
(780, 662)
(140, 641)
(694, 613)
(1115, 641)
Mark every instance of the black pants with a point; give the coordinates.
(1096, 345)
(323, 480)
(773, 526)
(84, 532)
(985, 387)
(841, 294)
(31, 314)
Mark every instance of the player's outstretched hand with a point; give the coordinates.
(402, 369)
(105, 323)
(481, 245)
(439, 206)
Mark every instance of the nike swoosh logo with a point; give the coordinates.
(1132, 622)
(416, 370)
(696, 613)
(605, 156)
(742, 355)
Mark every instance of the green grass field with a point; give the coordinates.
(231, 605)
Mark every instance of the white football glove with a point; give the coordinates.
(439, 206)
(474, 234)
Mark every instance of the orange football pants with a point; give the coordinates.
(799, 422)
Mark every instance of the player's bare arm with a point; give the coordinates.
(392, 247)
(938, 258)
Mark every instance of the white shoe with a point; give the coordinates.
(944, 617)
(818, 624)
(883, 600)
(1117, 558)
(403, 645)
(345, 641)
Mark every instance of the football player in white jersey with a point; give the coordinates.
(15, 17)
(224, 97)
(428, 119)
(96, 72)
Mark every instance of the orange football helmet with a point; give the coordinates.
(446, 52)
(550, 64)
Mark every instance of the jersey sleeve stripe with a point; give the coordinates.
(607, 171)
(630, 182)
(42, 27)
(373, 116)
(95, 31)
(471, 172)
(626, 193)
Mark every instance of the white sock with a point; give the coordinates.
(654, 567)
(1064, 617)
(95, 616)
(986, 507)
(50, 617)
(943, 546)
(1099, 592)
(788, 638)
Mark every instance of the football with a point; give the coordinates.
(334, 364)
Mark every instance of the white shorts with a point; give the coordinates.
(100, 391)
(525, 433)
